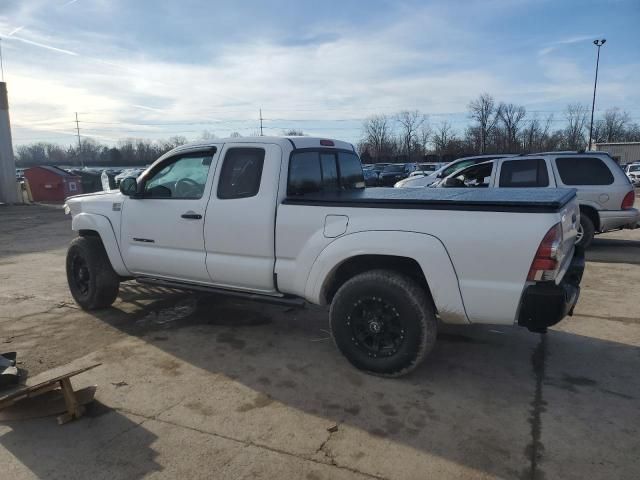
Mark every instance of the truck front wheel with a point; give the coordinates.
(383, 322)
(92, 281)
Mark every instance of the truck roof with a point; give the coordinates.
(283, 141)
(533, 200)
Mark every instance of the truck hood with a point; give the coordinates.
(101, 203)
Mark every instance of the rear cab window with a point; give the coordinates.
(583, 171)
(524, 173)
(315, 171)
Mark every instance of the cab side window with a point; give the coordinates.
(184, 177)
(241, 173)
(524, 173)
(320, 171)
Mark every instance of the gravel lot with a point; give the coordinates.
(200, 386)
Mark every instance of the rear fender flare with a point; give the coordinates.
(427, 250)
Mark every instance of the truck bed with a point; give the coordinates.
(531, 200)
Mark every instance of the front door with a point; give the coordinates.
(162, 232)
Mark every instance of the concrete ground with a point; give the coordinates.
(200, 386)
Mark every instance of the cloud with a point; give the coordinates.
(567, 41)
(42, 45)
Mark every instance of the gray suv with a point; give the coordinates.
(605, 194)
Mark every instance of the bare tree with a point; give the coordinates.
(443, 136)
(410, 124)
(511, 116)
(614, 124)
(235, 135)
(378, 136)
(292, 132)
(574, 132)
(484, 111)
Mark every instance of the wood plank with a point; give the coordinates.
(25, 391)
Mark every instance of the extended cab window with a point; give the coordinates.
(183, 177)
(324, 171)
(524, 173)
(241, 173)
(583, 171)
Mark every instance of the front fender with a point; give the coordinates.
(425, 249)
(102, 225)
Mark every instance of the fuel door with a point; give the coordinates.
(335, 225)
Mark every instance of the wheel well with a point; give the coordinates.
(88, 233)
(362, 263)
(592, 213)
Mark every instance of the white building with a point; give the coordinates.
(622, 152)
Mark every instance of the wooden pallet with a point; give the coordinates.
(74, 408)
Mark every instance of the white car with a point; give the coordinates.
(420, 179)
(288, 220)
(633, 172)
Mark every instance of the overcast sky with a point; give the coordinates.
(156, 68)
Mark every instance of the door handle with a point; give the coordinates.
(191, 216)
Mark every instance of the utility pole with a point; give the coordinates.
(597, 43)
(261, 134)
(1, 62)
(79, 143)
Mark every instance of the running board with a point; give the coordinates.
(256, 297)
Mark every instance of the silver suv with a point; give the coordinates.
(605, 194)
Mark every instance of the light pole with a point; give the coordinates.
(597, 43)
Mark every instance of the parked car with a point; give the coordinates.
(633, 172)
(420, 181)
(370, 175)
(604, 193)
(425, 169)
(394, 172)
(288, 220)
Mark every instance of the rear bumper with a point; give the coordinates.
(545, 304)
(614, 219)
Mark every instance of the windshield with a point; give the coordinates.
(394, 168)
(634, 168)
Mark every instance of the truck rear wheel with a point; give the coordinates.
(92, 281)
(383, 322)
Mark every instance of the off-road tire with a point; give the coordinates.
(409, 305)
(100, 288)
(588, 231)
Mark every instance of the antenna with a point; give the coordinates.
(1, 63)
(261, 134)
(79, 144)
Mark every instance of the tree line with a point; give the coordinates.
(126, 153)
(494, 127)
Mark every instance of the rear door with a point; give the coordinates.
(239, 226)
(593, 179)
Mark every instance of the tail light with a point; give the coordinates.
(547, 260)
(627, 201)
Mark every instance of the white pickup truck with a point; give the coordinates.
(288, 220)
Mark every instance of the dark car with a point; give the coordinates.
(370, 175)
(395, 172)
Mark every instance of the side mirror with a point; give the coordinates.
(129, 186)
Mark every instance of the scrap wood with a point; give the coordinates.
(74, 408)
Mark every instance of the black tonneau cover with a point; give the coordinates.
(533, 200)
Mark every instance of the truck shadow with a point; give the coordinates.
(490, 399)
(81, 449)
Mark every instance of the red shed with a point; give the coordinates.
(52, 184)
